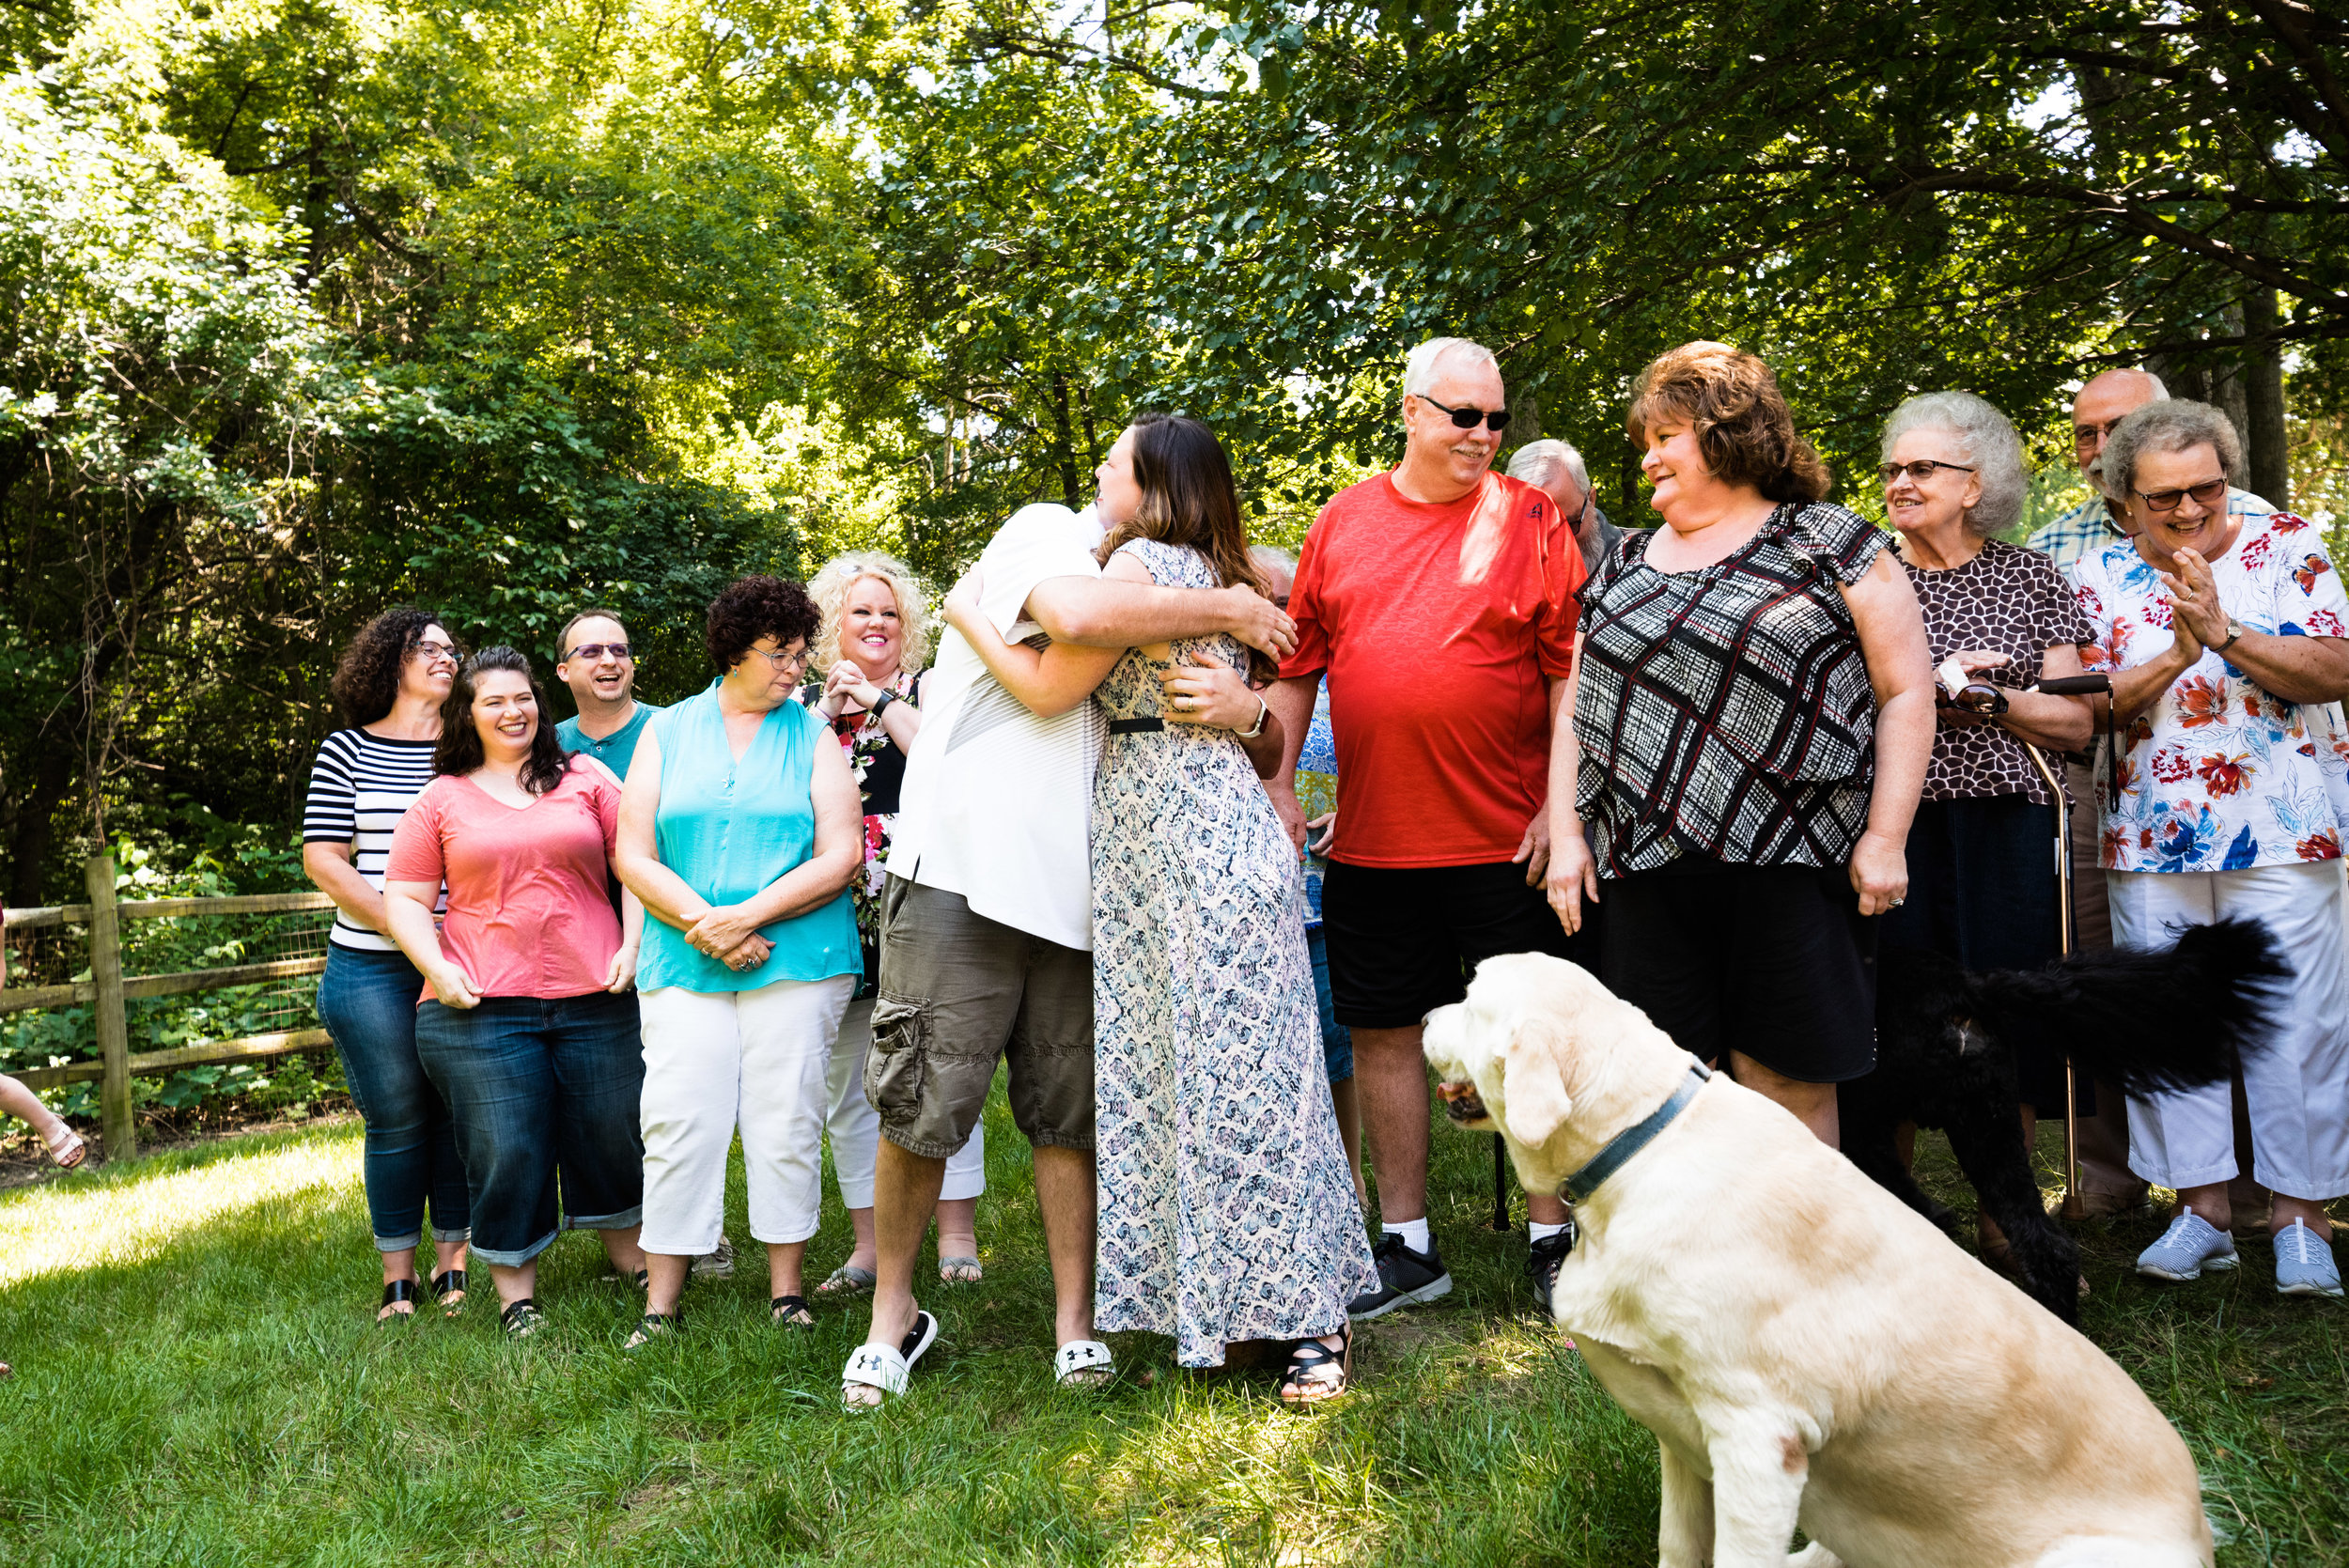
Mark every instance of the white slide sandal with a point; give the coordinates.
(885, 1367)
(1083, 1364)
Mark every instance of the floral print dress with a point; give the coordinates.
(2220, 776)
(1227, 1209)
(879, 766)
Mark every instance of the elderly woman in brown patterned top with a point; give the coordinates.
(1981, 888)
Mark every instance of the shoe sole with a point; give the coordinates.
(2334, 1291)
(1441, 1286)
(2210, 1265)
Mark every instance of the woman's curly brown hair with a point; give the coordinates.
(750, 608)
(366, 678)
(1743, 427)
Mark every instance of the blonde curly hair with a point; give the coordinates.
(831, 585)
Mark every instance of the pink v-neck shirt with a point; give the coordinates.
(528, 910)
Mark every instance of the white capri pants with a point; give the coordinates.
(855, 1127)
(2296, 1085)
(714, 1059)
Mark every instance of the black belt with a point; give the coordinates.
(1135, 726)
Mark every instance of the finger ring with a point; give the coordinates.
(1896, 903)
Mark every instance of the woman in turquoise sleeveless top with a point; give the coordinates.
(741, 829)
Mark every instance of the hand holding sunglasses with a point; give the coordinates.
(1955, 686)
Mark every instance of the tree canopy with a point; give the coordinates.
(321, 305)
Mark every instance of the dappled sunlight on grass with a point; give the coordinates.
(82, 1222)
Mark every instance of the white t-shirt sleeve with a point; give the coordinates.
(1035, 543)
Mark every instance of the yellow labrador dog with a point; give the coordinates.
(1808, 1350)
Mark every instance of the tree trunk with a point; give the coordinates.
(2267, 450)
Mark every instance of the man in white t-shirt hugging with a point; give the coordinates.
(986, 936)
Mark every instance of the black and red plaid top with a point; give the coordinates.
(1726, 711)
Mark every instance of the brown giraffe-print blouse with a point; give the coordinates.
(2012, 601)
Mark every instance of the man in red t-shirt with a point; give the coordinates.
(1439, 601)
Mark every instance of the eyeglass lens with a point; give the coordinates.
(1918, 472)
(598, 650)
(2204, 493)
(428, 650)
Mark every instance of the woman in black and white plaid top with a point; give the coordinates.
(1752, 718)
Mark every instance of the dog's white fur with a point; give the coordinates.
(1807, 1349)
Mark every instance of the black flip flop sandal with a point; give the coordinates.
(523, 1318)
(652, 1326)
(397, 1290)
(780, 1311)
(445, 1284)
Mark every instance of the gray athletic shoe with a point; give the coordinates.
(1406, 1278)
(2304, 1262)
(718, 1265)
(2189, 1246)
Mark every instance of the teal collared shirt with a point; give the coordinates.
(615, 751)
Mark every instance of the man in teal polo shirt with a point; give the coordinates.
(598, 666)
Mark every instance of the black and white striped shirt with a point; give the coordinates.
(359, 788)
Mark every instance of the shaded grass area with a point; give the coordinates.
(199, 1383)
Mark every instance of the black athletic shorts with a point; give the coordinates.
(1403, 940)
(1775, 961)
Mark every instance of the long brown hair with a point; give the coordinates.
(1187, 498)
(460, 750)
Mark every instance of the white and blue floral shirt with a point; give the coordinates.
(2220, 776)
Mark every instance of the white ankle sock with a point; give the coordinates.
(1413, 1232)
(1541, 1232)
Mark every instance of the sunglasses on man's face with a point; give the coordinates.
(1469, 419)
(594, 651)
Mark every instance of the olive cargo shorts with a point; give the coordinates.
(957, 991)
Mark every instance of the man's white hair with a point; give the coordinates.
(1419, 365)
(1540, 462)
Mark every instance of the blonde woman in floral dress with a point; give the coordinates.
(871, 651)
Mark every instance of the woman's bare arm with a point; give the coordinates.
(1891, 629)
(1047, 682)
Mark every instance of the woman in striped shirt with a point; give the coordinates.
(390, 685)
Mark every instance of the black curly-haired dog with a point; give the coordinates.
(1946, 1044)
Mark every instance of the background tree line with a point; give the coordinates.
(315, 306)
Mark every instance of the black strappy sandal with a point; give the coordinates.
(448, 1283)
(397, 1290)
(521, 1318)
(653, 1324)
(782, 1309)
(1311, 1355)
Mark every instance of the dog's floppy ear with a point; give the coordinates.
(1535, 1103)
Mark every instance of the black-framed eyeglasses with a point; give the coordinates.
(592, 651)
(1918, 472)
(2206, 493)
(1469, 419)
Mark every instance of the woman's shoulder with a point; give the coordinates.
(1824, 530)
(1169, 565)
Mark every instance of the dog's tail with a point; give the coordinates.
(2174, 1018)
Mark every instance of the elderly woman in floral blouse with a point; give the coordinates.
(872, 646)
(2228, 640)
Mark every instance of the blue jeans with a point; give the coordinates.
(1337, 1041)
(541, 1089)
(368, 1001)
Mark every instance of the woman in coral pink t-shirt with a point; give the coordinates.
(528, 1024)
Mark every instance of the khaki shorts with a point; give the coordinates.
(959, 991)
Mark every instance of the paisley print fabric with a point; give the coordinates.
(2009, 600)
(1227, 1211)
(2219, 774)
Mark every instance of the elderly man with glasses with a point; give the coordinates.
(1557, 470)
(1438, 599)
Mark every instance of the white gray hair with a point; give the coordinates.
(2172, 425)
(1986, 439)
(1540, 462)
(1419, 365)
(1271, 559)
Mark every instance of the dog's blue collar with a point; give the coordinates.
(1578, 1187)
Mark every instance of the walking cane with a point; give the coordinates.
(2073, 1209)
(2073, 686)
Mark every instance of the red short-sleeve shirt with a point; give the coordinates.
(1440, 627)
(529, 910)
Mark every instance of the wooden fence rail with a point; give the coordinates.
(107, 990)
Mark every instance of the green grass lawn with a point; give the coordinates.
(199, 1382)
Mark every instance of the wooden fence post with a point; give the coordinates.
(114, 1030)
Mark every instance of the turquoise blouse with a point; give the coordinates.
(730, 828)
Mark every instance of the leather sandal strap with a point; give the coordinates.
(443, 1283)
(398, 1289)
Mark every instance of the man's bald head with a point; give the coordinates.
(2104, 402)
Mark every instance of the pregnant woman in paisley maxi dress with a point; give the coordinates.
(1227, 1210)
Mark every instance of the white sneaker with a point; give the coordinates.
(2191, 1245)
(2304, 1262)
